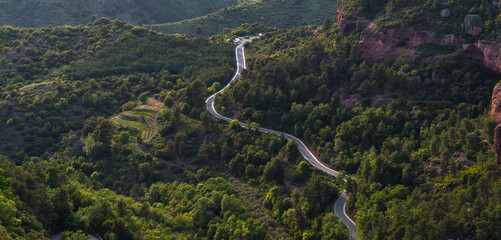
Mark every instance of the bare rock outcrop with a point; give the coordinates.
(347, 26)
(496, 115)
(492, 54)
(473, 24)
(496, 103)
(378, 46)
(497, 141)
(339, 11)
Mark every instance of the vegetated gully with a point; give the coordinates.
(340, 204)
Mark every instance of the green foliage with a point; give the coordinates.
(426, 14)
(142, 120)
(275, 13)
(428, 132)
(153, 52)
(419, 149)
(76, 12)
(429, 50)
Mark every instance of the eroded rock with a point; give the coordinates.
(473, 24)
(496, 115)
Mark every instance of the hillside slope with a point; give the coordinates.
(67, 162)
(472, 20)
(275, 13)
(37, 13)
(416, 135)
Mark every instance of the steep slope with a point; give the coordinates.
(417, 136)
(275, 13)
(36, 13)
(59, 90)
(404, 39)
(467, 19)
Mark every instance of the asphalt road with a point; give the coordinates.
(59, 236)
(340, 204)
(340, 211)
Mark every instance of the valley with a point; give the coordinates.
(325, 120)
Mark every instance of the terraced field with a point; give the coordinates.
(143, 120)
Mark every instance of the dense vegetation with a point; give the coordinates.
(68, 167)
(416, 136)
(426, 14)
(420, 146)
(42, 13)
(273, 13)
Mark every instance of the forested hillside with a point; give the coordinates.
(68, 165)
(42, 13)
(272, 13)
(419, 146)
(479, 19)
(104, 131)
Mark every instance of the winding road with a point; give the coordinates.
(340, 204)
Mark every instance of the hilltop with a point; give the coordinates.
(40, 13)
(273, 13)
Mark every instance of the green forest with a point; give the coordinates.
(429, 14)
(421, 149)
(272, 13)
(41, 13)
(104, 131)
(67, 167)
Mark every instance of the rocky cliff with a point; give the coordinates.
(492, 54)
(496, 103)
(377, 45)
(496, 114)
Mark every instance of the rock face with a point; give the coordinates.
(473, 24)
(492, 54)
(347, 26)
(497, 141)
(378, 46)
(496, 115)
(339, 11)
(496, 103)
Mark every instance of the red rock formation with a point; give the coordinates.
(496, 103)
(492, 54)
(339, 12)
(496, 114)
(378, 46)
(346, 26)
(497, 141)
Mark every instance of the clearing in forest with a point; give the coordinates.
(143, 119)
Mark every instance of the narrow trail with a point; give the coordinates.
(340, 204)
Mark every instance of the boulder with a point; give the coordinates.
(473, 24)
(445, 13)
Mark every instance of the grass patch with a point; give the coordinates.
(143, 120)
